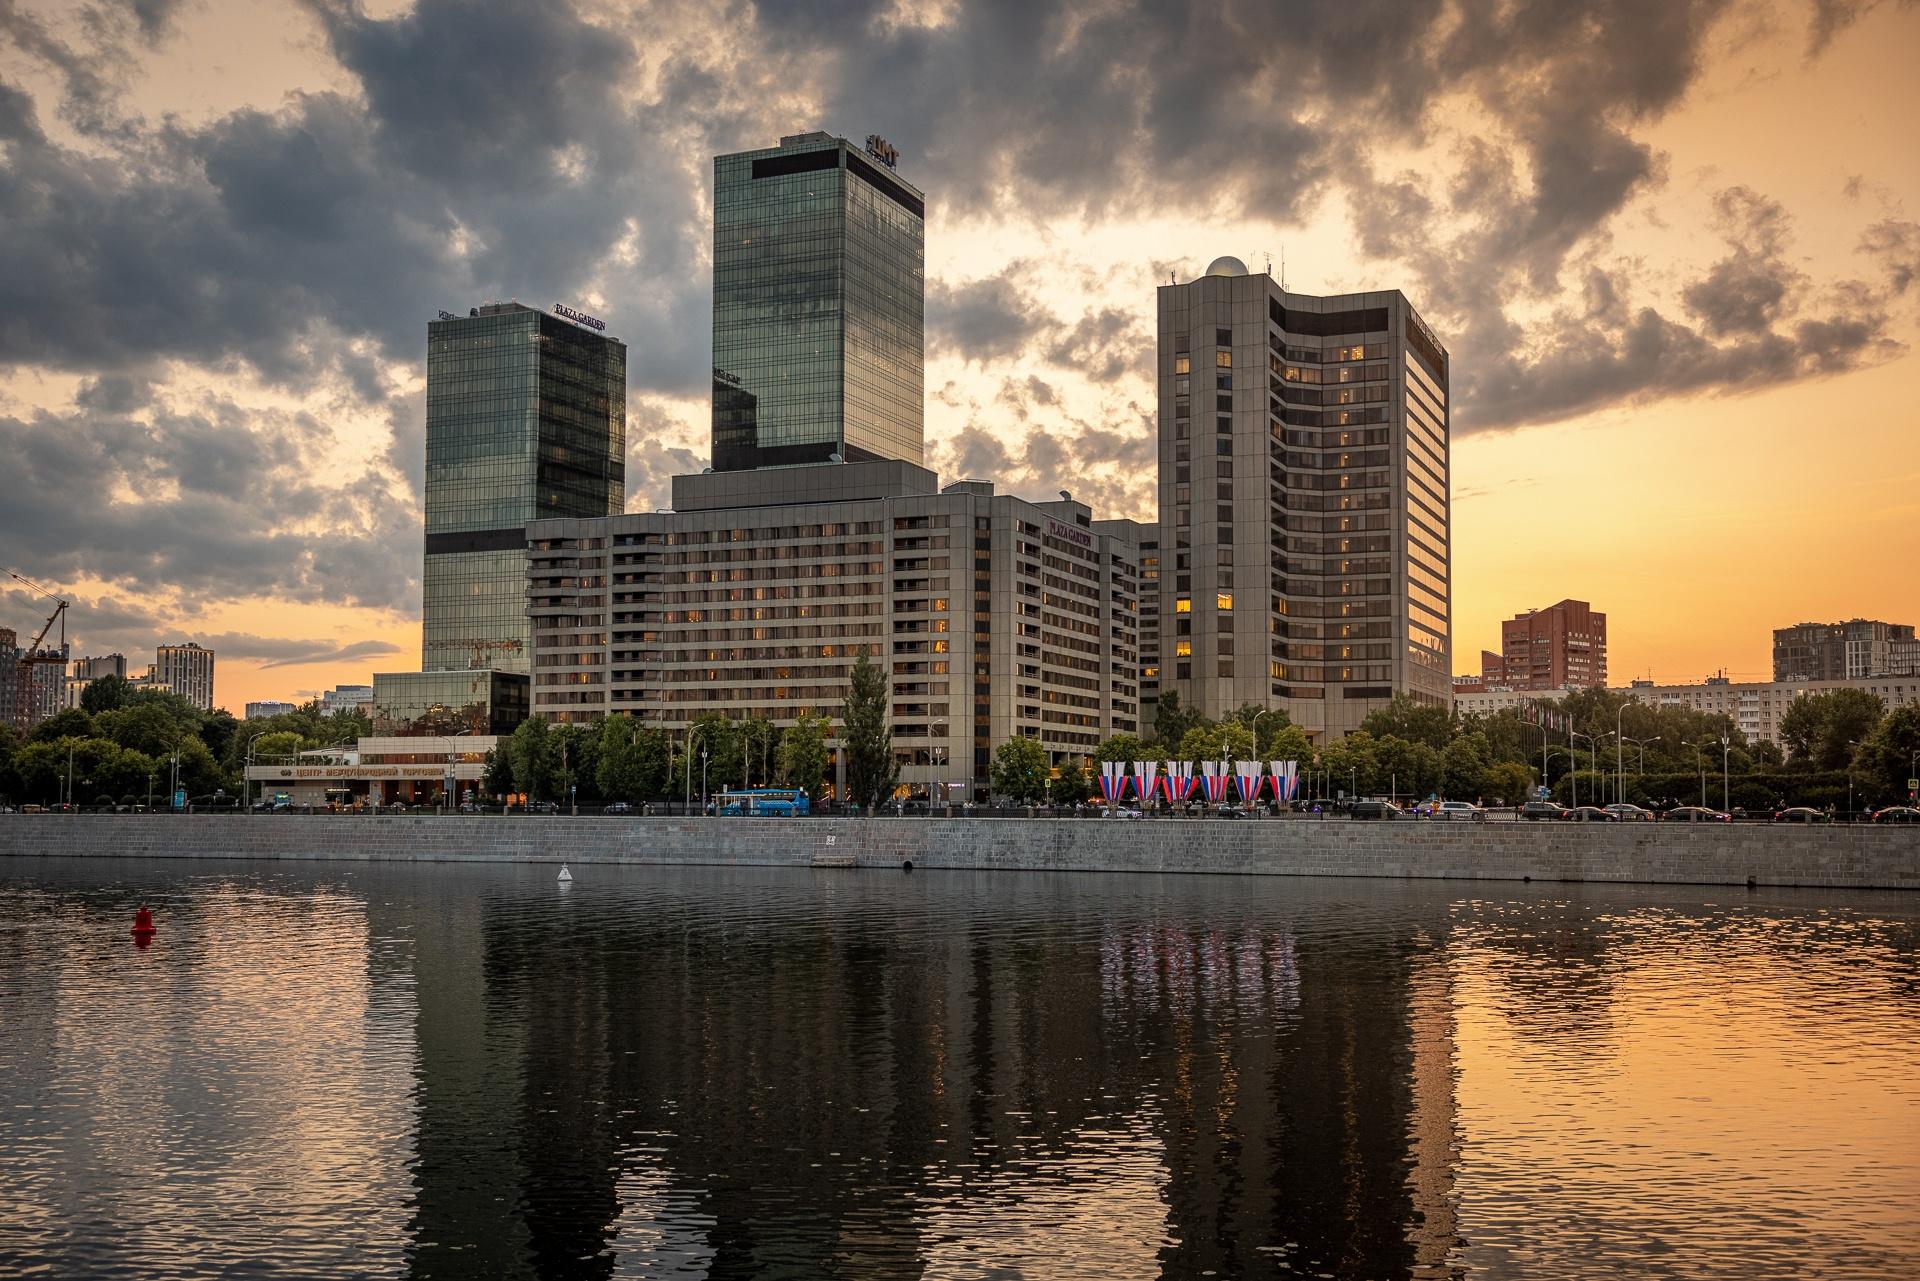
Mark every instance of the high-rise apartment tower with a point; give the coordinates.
(526, 419)
(1304, 504)
(819, 255)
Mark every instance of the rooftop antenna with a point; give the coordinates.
(1283, 266)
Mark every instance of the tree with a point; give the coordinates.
(1287, 743)
(1216, 741)
(1509, 782)
(804, 755)
(529, 759)
(1887, 754)
(496, 778)
(1172, 721)
(1464, 767)
(1819, 730)
(1020, 772)
(573, 762)
(105, 694)
(872, 772)
(68, 723)
(632, 760)
(1416, 722)
(1071, 785)
(1121, 747)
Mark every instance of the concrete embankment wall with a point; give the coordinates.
(1849, 857)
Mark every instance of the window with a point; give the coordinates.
(1183, 649)
(1223, 600)
(1183, 606)
(1223, 337)
(1182, 364)
(1223, 359)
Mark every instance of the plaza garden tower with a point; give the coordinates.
(818, 306)
(1305, 523)
(526, 420)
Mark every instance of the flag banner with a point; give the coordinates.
(1286, 779)
(1113, 781)
(1217, 778)
(1145, 779)
(1179, 780)
(1246, 776)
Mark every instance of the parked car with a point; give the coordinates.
(1627, 813)
(1542, 809)
(1231, 811)
(1376, 809)
(1461, 810)
(1589, 814)
(1897, 814)
(544, 807)
(1800, 814)
(618, 807)
(1695, 814)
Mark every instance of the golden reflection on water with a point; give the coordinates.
(447, 1071)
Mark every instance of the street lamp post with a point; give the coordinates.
(688, 758)
(703, 778)
(1726, 785)
(446, 792)
(1641, 745)
(1595, 744)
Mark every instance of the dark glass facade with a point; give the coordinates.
(416, 704)
(526, 419)
(818, 307)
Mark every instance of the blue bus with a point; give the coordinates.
(776, 802)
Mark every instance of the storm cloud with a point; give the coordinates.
(543, 149)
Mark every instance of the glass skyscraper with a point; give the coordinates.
(526, 419)
(819, 256)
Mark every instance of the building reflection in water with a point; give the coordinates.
(761, 1073)
(750, 1076)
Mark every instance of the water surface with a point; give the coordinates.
(344, 1070)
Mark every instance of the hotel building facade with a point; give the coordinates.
(1305, 518)
(994, 617)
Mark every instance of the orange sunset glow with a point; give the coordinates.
(1675, 257)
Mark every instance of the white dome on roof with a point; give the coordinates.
(1226, 265)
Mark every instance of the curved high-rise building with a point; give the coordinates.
(1305, 537)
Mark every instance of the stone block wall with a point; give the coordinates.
(1842, 857)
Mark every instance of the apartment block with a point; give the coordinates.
(1852, 650)
(992, 615)
(187, 670)
(1754, 707)
(1563, 646)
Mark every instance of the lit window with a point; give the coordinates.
(1183, 649)
(1223, 600)
(1183, 606)
(1182, 364)
(1223, 359)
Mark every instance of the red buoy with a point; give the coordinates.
(143, 930)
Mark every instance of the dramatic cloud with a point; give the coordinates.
(1486, 155)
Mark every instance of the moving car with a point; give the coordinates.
(1460, 809)
(1376, 809)
(1627, 813)
(1589, 814)
(1695, 814)
(1897, 814)
(618, 807)
(1800, 814)
(1542, 809)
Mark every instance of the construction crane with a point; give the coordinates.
(33, 656)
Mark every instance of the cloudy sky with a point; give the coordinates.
(1673, 245)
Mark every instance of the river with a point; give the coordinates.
(396, 1070)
